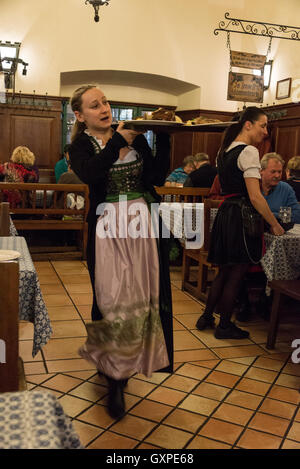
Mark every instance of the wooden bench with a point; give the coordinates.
(182, 194)
(44, 207)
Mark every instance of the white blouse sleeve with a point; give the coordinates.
(248, 162)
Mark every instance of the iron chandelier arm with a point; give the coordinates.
(257, 28)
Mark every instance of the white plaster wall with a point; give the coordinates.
(172, 38)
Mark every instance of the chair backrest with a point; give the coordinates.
(182, 194)
(210, 206)
(4, 219)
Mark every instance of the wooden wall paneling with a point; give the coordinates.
(4, 136)
(181, 146)
(39, 133)
(207, 142)
(287, 140)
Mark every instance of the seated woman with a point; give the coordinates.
(20, 169)
(293, 175)
(179, 175)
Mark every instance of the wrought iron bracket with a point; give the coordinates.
(257, 28)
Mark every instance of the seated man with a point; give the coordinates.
(179, 175)
(276, 192)
(204, 175)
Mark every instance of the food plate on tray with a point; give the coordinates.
(148, 124)
(7, 255)
(210, 124)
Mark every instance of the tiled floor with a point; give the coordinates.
(223, 394)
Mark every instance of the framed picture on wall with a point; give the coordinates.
(283, 89)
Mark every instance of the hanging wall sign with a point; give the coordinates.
(245, 87)
(246, 60)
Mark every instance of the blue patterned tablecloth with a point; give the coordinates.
(31, 306)
(12, 228)
(282, 258)
(35, 420)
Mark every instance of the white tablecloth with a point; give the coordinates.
(35, 420)
(185, 221)
(282, 258)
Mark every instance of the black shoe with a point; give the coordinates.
(205, 322)
(231, 332)
(116, 403)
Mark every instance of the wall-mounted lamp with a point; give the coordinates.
(9, 61)
(96, 4)
(267, 71)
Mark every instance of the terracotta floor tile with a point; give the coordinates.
(297, 417)
(207, 363)
(285, 394)
(188, 320)
(181, 383)
(277, 356)
(57, 300)
(221, 431)
(31, 368)
(230, 367)
(177, 326)
(65, 366)
(252, 439)
(233, 414)
(146, 446)
(57, 349)
(186, 307)
(176, 283)
(268, 364)
(289, 444)
(193, 355)
(82, 298)
(169, 438)
(81, 374)
(200, 405)
(178, 295)
(280, 409)
(48, 279)
(57, 394)
(292, 369)
(109, 440)
(68, 329)
(156, 378)
(238, 351)
(294, 433)
(223, 379)
(211, 391)
(138, 387)
(133, 427)
(184, 340)
(86, 432)
(26, 330)
(90, 391)
(62, 383)
(56, 289)
(96, 415)
(289, 381)
(167, 396)
(25, 352)
(85, 311)
(243, 360)
(151, 410)
(78, 288)
(73, 406)
(269, 424)
(184, 420)
(260, 374)
(199, 442)
(253, 386)
(244, 399)
(193, 371)
(62, 313)
(39, 379)
(71, 278)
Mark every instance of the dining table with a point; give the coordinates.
(32, 307)
(35, 420)
(281, 260)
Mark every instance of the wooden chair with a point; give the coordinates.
(9, 326)
(289, 288)
(198, 288)
(4, 219)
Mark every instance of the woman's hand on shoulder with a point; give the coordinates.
(128, 134)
